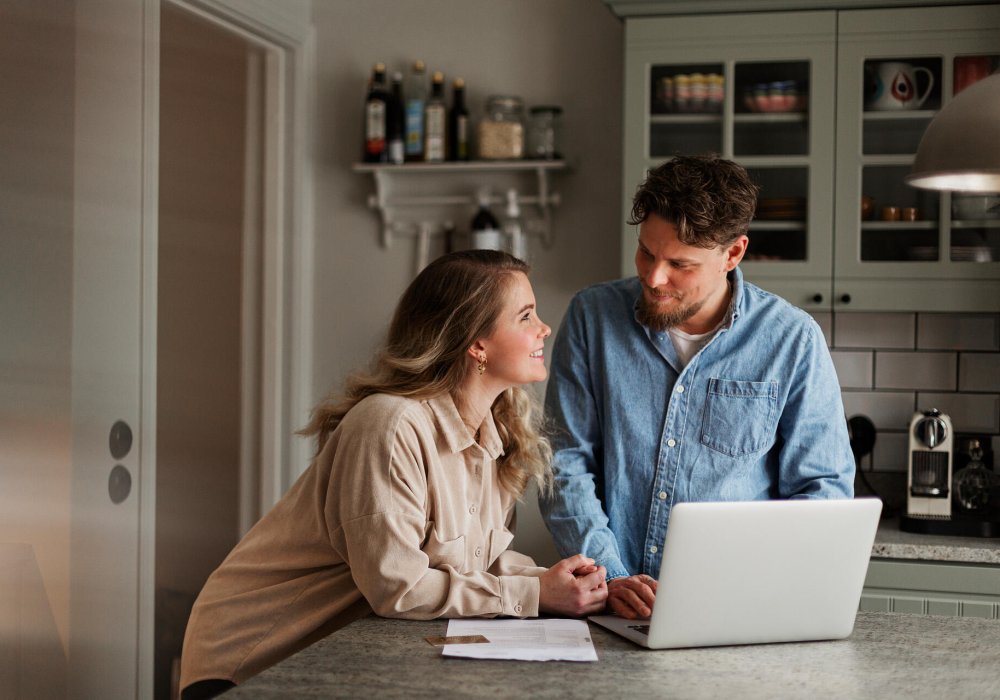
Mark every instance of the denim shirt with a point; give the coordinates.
(756, 414)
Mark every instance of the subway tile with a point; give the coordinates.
(915, 370)
(874, 330)
(888, 410)
(854, 368)
(969, 413)
(979, 371)
(891, 453)
(958, 331)
(825, 321)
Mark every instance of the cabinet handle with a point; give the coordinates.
(817, 298)
(845, 298)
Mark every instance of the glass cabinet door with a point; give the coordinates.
(898, 246)
(765, 101)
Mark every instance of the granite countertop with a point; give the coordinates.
(893, 543)
(888, 655)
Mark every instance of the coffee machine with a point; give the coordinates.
(928, 484)
(951, 488)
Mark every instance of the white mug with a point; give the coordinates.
(896, 86)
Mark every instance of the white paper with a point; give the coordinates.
(527, 640)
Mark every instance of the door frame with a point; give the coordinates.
(271, 455)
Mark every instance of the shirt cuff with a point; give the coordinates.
(616, 574)
(519, 595)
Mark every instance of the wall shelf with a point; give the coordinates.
(387, 202)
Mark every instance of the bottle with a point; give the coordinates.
(458, 123)
(376, 105)
(485, 229)
(415, 92)
(513, 229)
(396, 121)
(435, 121)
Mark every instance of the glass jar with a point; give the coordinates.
(501, 130)
(543, 133)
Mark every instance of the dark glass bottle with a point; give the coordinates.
(396, 121)
(458, 123)
(376, 107)
(435, 121)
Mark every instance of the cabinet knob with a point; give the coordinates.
(845, 298)
(817, 298)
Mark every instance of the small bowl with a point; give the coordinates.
(975, 206)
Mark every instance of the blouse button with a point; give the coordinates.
(479, 551)
(472, 509)
(517, 608)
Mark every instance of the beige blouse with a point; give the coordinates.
(401, 513)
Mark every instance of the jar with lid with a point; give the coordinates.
(543, 132)
(501, 130)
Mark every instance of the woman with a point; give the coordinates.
(407, 508)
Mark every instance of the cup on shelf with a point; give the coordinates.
(891, 214)
(910, 214)
(894, 86)
(867, 207)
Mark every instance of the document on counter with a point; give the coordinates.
(527, 640)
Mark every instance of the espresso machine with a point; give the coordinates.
(944, 497)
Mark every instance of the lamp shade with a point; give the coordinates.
(960, 150)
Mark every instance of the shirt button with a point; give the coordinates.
(472, 509)
(662, 495)
(479, 551)
(517, 609)
(680, 388)
(652, 549)
(671, 442)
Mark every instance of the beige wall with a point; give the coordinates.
(564, 52)
(36, 247)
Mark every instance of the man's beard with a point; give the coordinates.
(660, 321)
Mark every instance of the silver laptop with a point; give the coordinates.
(753, 572)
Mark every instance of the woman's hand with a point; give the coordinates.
(632, 596)
(574, 587)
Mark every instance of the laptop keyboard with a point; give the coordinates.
(641, 629)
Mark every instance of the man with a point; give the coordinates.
(685, 383)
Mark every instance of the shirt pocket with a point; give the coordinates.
(740, 416)
(445, 553)
(500, 540)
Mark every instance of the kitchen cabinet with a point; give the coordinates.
(816, 155)
(932, 588)
(941, 261)
(786, 143)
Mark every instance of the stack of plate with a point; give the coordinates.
(783, 209)
(971, 253)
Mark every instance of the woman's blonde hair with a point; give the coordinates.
(452, 303)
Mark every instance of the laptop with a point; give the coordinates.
(754, 572)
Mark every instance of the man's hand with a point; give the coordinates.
(632, 596)
(573, 587)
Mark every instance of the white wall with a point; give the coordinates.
(564, 52)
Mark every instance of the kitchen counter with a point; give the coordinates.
(893, 543)
(888, 655)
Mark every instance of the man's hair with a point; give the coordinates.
(709, 199)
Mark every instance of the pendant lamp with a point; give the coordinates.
(960, 151)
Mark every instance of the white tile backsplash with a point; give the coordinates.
(915, 370)
(969, 413)
(874, 330)
(854, 368)
(888, 410)
(958, 332)
(979, 371)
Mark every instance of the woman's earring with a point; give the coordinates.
(481, 367)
